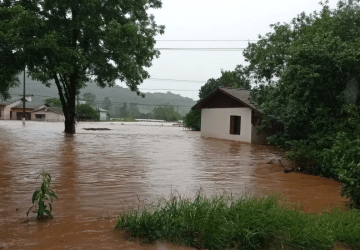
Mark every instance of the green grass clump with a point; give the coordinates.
(248, 222)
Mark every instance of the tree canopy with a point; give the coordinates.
(308, 73)
(54, 102)
(72, 42)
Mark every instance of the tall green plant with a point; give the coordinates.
(42, 198)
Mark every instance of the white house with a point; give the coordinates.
(50, 114)
(230, 114)
(103, 114)
(5, 109)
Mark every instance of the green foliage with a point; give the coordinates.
(308, 72)
(239, 78)
(193, 120)
(89, 98)
(43, 198)
(54, 102)
(248, 222)
(167, 113)
(85, 111)
(106, 104)
(73, 42)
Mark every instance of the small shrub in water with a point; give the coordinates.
(42, 198)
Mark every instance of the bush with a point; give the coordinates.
(193, 120)
(248, 222)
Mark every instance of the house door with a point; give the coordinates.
(19, 115)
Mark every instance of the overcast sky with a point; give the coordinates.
(212, 20)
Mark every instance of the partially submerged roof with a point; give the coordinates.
(28, 105)
(5, 103)
(227, 98)
(52, 109)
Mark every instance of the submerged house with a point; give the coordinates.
(47, 113)
(230, 114)
(6, 109)
(17, 111)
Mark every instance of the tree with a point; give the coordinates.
(124, 112)
(193, 120)
(72, 42)
(85, 111)
(239, 78)
(166, 112)
(107, 104)
(89, 98)
(309, 78)
(54, 102)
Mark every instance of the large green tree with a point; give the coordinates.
(309, 76)
(72, 42)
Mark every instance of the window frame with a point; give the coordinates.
(235, 125)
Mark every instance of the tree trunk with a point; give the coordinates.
(70, 115)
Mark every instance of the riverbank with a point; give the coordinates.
(245, 222)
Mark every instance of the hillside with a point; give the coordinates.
(118, 95)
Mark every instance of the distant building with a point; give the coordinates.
(230, 114)
(49, 114)
(17, 111)
(5, 108)
(104, 115)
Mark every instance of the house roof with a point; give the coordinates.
(5, 103)
(52, 109)
(240, 95)
(102, 110)
(28, 105)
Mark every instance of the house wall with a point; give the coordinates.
(15, 111)
(5, 111)
(215, 123)
(103, 116)
(49, 116)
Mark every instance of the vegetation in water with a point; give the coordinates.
(307, 73)
(43, 198)
(247, 222)
(85, 111)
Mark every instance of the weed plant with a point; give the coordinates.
(42, 198)
(248, 222)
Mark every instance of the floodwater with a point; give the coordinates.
(99, 174)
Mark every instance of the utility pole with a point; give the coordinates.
(23, 117)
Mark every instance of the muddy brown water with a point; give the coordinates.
(99, 174)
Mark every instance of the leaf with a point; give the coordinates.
(27, 214)
(35, 195)
(50, 207)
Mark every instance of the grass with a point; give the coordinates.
(248, 222)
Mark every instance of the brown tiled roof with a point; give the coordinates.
(53, 109)
(240, 95)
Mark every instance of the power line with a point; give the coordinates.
(175, 80)
(207, 40)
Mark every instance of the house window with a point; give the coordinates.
(235, 125)
(40, 116)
